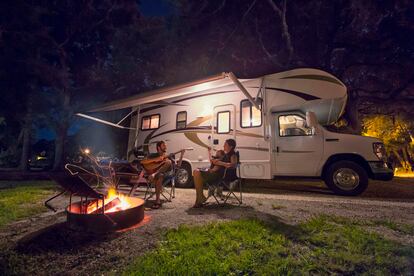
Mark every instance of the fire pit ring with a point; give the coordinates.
(106, 221)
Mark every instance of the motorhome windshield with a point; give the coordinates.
(293, 125)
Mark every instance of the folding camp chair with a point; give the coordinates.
(129, 176)
(168, 184)
(231, 184)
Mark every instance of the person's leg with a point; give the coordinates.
(158, 188)
(166, 166)
(198, 183)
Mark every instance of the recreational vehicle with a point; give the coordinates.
(277, 120)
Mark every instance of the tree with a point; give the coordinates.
(397, 134)
(61, 46)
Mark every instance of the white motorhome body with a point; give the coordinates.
(267, 118)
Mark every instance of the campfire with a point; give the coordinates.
(113, 201)
(96, 212)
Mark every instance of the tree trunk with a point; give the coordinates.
(406, 165)
(399, 157)
(14, 149)
(352, 113)
(61, 134)
(27, 129)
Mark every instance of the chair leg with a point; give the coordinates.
(171, 192)
(163, 192)
(240, 189)
(148, 193)
(211, 189)
(231, 192)
(132, 191)
(173, 188)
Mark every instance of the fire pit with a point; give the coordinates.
(116, 215)
(96, 212)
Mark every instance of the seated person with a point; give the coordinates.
(211, 175)
(159, 164)
(164, 164)
(229, 161)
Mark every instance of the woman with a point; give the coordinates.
(229, 161)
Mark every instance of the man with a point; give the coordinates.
(158, 176)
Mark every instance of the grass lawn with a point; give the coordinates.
(319, 246)
(24, 200)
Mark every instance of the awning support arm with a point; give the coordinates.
(102, 121)
(261, 88)
(125, 117)
(243, 89)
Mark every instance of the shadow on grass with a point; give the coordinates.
(253, 242)
(59, 238)
(234, 212)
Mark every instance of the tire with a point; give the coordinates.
(346, 178)
(184, 178)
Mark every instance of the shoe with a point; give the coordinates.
(200, 205)
(156, 206)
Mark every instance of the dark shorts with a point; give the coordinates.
(210, 176)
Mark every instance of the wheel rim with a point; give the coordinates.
(346, 179)
(182, 176)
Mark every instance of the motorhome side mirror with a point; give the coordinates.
(311, 120)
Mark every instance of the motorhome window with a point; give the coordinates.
(223, 122)
(250, 116)
(293, 125)
(150, 122)
(181, 119)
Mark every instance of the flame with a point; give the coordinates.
(112, 195)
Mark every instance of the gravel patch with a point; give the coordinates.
(44, 245)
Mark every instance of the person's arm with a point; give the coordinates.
(181, 157)
(209, 154)
(231, 164)
(216, 168)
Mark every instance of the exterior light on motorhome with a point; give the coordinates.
(86, 151)
(206, 111)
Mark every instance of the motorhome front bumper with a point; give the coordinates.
(381, 170)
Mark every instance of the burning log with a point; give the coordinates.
(113, 203)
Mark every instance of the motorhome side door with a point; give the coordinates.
(223, 125)
(297, 150)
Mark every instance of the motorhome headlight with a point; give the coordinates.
(379, 150)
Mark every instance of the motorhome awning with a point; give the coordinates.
(165, 93)
(162, 94)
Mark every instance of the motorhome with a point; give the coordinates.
(278, 121)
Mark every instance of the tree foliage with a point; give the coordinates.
(397, 134)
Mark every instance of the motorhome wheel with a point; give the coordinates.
(184, 178)
(346, 178)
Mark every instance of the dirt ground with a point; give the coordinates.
(44, 245)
